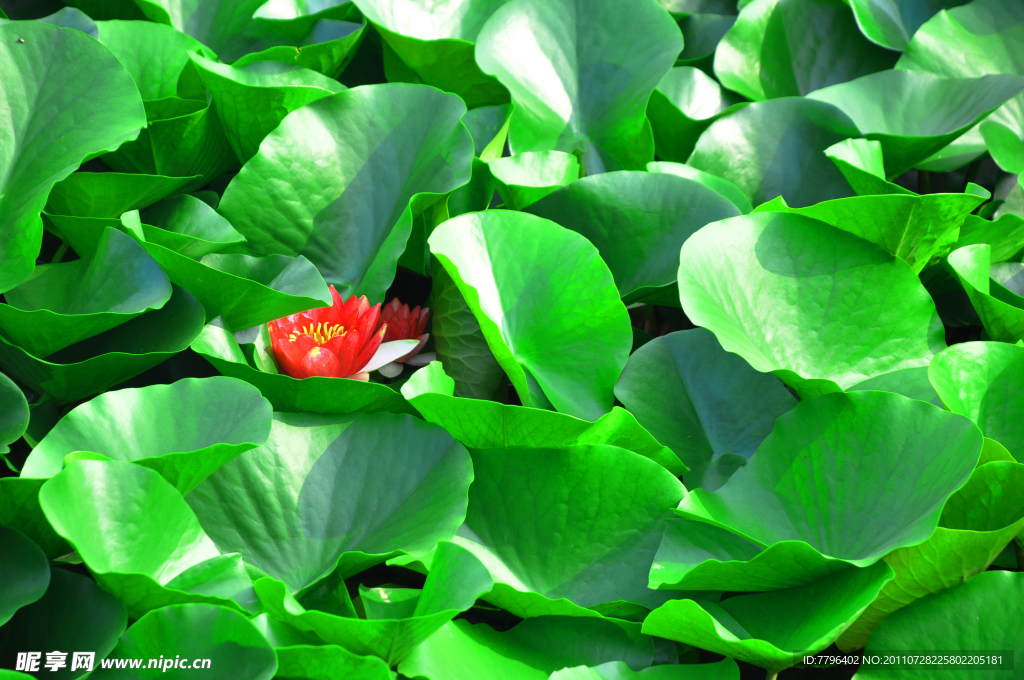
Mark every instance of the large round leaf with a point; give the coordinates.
(914, 228)
(327, 34)
(24, 571)
(685, 103)
(20, 510)
(73, 616)
(990, 35)
(726, 669)
(184, 431)
(585, 541)
(327, 662)
(580, 74)
(1000, 307)
(638, 221)
(985, 382)
(252, 100)
(707, 405)
(433, 44)
(215, 639)
(774, 630)
(853, 475)
(188, 226)
(714, 182)
(786, 48)
(65, 303)
(532, 650)
(563, 344)
(892, 23)
(347, 171)
(225, 26)
(819, 307)
(915, 114)
(526, 178)
(324, 489)
(781, 143)
(67, 98)
(139, 539)
(987, 601)
(110, 194)
(93, 365)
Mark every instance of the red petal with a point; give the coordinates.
(292, 354)
(348, 351)
(318, 361)
(423, 340)
(422, 325)
(369, 349)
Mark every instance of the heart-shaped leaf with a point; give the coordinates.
(996, 297)
(14, 417)
(892, 23)
(580, 75)
(499, 260)
(685, 103)
(68, 117)
(25, 573)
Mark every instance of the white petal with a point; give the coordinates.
(422, 359)
(392, 370)
(388, 352)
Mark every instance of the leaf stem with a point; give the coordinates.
(59, 255)
(771, 675)
(1018, 547)
(924, 182)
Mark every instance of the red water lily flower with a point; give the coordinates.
(401, 324)
(335, 342)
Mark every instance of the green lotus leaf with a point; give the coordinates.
(914, 114)
(184, 431)
(349, 491)
(110, 194)
(225, 26)
(892, 23)
(532, 650)
(580, 75)
(482, 424)
(183, 138)
(154, 54)
(252, 100)
(1006, 147)
(19, 510)
(313, 395)
(62, 304)
(108, 9)
(999, 303)
(526, 178)
(783, 140)
(985, 599)
(499, 260)
(578, 548)
(992, 33)
(25, 572)
(433, 44)
(14, 416)
(455, 581)
(683, 8)
(808, 483)
(707, 405)
(773, 630)
(978, 521)
(54, 122)
(784, 291)
(910, 382)
(91, 366)
(722, 186)
(983, 381)
(139, 538)
(218, 638)
(765, 54)
(685, 103)
(726, 669)
(188, 226)
(913, 228)
(461, 345)
(863, 165)
(1005, 234)
(73, 615)
(638, 221)
(322, 36)
(327, 662)
(331, 160)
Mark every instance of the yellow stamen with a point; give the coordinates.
(321, 333)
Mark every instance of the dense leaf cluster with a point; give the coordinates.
(726, 312)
